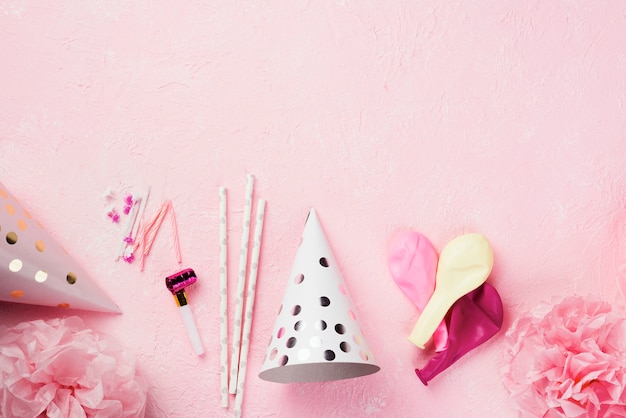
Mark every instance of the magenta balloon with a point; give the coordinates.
(474, 319)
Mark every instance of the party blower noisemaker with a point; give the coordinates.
(176, 283)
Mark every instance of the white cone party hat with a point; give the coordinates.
(35, 269)
(316, 336)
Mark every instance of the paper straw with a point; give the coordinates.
(223, 299)
(247, 325)
(243, 258)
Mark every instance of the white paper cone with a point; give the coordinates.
(316, 336)
(35, 269)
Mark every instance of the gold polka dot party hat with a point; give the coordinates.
(35, 269)
(317, 335)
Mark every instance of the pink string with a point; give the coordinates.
(153, 227)
(175, 233)
(148, 231)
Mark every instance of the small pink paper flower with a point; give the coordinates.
(567, 360)
(59, 368)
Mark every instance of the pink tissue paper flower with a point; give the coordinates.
(567, 360)
(59, 368)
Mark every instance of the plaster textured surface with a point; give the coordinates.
(446, 117)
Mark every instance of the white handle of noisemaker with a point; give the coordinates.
(192, 329)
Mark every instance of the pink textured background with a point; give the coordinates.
(444, 116)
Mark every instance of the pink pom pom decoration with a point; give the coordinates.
(568, 360)
(59, 368)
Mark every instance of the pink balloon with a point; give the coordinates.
(413, 266)
(474, 319)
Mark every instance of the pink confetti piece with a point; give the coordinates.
(129, 202)
(115, 217)
(129, 256)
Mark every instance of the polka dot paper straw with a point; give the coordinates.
(243, 258)
(223, 299)
(254, 268)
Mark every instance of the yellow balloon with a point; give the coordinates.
(464, 265)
